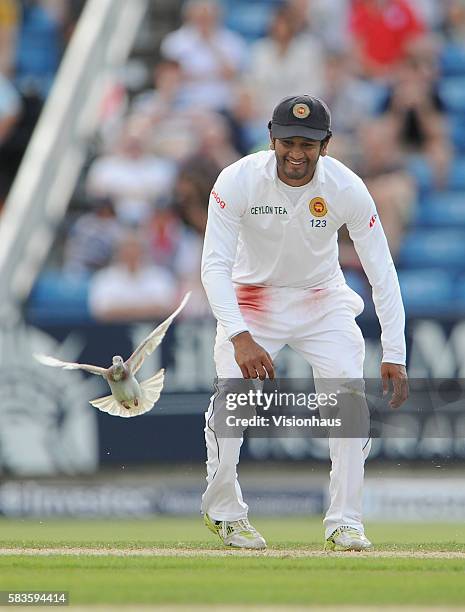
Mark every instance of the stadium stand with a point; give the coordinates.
(431, 257)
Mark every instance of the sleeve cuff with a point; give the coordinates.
(394, 358)
(236, 332)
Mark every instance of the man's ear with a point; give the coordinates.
(271, 137)
(324, 146)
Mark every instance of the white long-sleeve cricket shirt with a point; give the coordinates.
(257, 235)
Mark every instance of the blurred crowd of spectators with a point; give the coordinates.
(375, 62)
(33, 36)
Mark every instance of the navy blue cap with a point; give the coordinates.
(305, 116)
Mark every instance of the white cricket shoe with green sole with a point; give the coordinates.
(347, 538)
(239, 534)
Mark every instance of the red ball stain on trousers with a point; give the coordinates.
(251, 298)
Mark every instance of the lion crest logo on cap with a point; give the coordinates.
(301, 111)
(318, 207)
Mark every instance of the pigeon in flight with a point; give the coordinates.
(128, 397)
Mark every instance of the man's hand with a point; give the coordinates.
(397, 374)
(252, 358)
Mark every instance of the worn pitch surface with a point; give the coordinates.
(177, 562)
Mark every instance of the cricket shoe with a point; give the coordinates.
(239, 534)
(347, 538)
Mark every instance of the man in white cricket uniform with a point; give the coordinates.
(271, 273)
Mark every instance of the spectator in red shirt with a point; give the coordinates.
(381, 30)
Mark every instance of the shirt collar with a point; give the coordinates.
(320, 174)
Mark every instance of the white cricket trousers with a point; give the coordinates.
(319, 324)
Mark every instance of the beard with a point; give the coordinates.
(295, 172)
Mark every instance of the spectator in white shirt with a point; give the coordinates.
(210, 55)
(134, 179)
(284, 61)
(132, 288)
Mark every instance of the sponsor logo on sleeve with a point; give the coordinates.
(221, 203)
(318, 207)
(373, 220)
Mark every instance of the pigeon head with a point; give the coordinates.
(117, 360)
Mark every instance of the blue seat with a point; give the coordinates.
(420, 169)
(357, 281)
(457, 131)
(456, 179)
(452, 60)
(452, 92)
(426, 291)
(58, 298)
(250, 18)
(459, 292)
(441, 209)
(439, 248)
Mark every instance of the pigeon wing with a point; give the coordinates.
(68, 365)
(147, 346)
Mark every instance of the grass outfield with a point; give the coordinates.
(190, 567)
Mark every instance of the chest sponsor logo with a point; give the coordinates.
(373, 220)
(221, 203)
(318, 207)
(268, 210)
